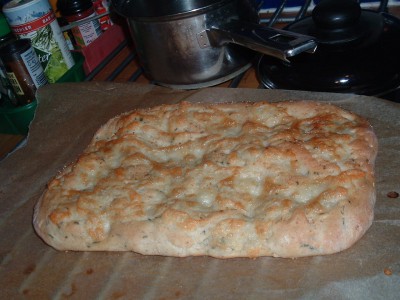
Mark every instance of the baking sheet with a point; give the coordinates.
(67, 117)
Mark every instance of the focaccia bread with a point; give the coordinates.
(287, 179)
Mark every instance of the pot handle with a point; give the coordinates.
(270, 41)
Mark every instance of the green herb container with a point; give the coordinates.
(76, 73)
(16, 119)
(35, 20)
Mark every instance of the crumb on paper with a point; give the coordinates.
(393, 194)
(387, 271)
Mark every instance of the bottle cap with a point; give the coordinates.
(72, 7)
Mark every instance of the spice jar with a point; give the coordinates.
(36, 21)
(78, 11)
(23, 69)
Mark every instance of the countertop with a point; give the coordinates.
(31, 269)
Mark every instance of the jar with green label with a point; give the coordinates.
(35, 20)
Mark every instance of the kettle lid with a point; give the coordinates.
(358, 52)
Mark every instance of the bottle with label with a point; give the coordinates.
(6, 91)
(23, 69)
(35, 20)
(79, 11)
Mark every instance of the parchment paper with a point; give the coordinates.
(66, 119)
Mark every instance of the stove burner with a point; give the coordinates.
(357, 53)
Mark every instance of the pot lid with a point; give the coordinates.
(358, 52)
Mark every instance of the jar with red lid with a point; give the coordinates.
(79, 11)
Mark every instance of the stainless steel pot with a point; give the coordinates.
(197, 43)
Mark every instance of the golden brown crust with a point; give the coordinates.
(288, 179)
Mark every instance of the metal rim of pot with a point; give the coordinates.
(165, 10)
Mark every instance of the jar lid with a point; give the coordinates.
(12, 50)
(358, 52)
(72, 7)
